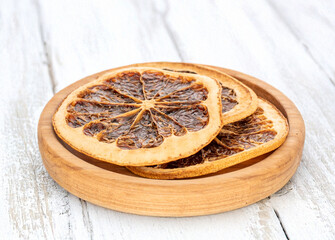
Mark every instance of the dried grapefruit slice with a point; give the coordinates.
(140, 116)
(262, 132)
(238, 100)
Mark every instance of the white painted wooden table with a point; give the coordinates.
(46, 45)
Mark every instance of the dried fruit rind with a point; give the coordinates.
(141, 115)
(262, 132)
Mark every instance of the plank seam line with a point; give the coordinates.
(287, 25)
(281, 224)
(45, 49)
(168, 29)
(86, 217)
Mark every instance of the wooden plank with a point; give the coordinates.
(313, 26)
(252, 38)
(30, 202)
(117, 34)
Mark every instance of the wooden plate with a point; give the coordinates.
(116, 188)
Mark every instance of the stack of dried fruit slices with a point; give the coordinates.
(169, 120)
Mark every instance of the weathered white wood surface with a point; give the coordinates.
(46, 45)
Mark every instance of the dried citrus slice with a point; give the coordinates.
(140, 116)
(238, 100)
(262, 132)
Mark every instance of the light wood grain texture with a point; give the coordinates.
(30, 202)
(115, 187)
(47, 45)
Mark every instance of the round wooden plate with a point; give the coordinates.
(116, 188)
